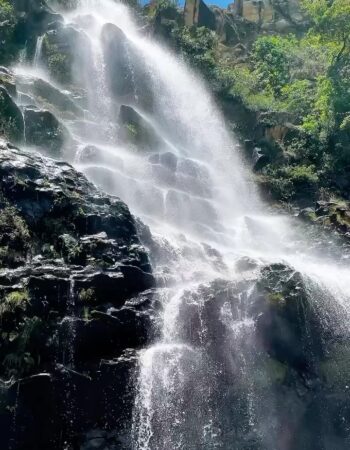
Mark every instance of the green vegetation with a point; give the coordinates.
(276, 298)
(296, 88)
(22, 349)
(7, 27)
(14, 238)
(305, 83)
(13, 304)
(87, 296)
(19, 334)
(59, 64)
(198, 46)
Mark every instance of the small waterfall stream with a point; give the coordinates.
(194, 192)
(38, 52)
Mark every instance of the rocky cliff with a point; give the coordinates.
(76, 301)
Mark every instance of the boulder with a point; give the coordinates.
(7, 80)
(289, 327)
(119, 71)
(259, 159)
(126, 70)
(44, 130)
(136, 130)
(11, 119)
(59, 100)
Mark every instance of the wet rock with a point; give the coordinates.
(43, 130)
(7, 80)
(34, 18)
(32, 400)
(137, 130)
(77, 302)
(65, 52)
(115, 53)
(11, 119)
(245, 263)
(259, 159)
(125, 69)
(55, 97)
(287, 324)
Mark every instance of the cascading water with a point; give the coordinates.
(38, 52)
(184, 178)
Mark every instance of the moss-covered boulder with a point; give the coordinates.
(136, 130)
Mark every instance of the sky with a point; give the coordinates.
(221, 3)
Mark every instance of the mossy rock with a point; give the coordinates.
(11, 119)
(287, 323)
(14, 238)
(44, 130)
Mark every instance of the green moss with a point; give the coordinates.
(14, 237)
(8, 126)
(276, 298)
(87, 296)
(59, 64)
(276, 371)
(13, 303)
(132, 131)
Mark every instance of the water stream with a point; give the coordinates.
(194, 192)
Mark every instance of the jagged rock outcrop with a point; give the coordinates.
(268, 343)
(75, 303)
(243, 19)
(196, 12)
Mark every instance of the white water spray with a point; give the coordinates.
(195, 194)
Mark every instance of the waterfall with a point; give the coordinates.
(38, 51)
(186, 180)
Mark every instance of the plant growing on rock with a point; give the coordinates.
(14, 237)
(59, 63)
(7, 27)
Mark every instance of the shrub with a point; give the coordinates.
(302, 174)
(15, 302)
(272, 63)
(14, 237)
(198, 46)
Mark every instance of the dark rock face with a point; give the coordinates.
(125, 68)
(55, 97)
(11, 119)
(71, 306)
(115, 50)
(7, 80)
(44, 130)
(136, 130)
(34, 18)
(270, 355)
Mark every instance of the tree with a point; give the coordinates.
(331, 19)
